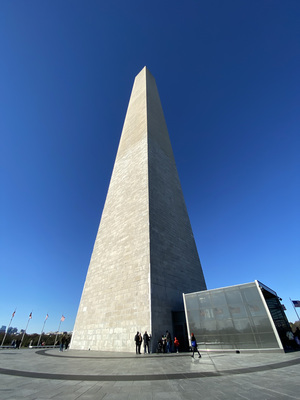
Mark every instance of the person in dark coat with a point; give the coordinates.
(164, 343)
(138, 342)
(62, 343)
(169, 342)
(146, 340)
(194, 345)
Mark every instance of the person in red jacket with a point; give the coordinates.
(176, 344)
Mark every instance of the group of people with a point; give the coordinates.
(64, 343)
(16, 343)
(138, 342)
(165, 344)
(293, 339)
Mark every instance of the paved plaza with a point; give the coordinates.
(85, 375)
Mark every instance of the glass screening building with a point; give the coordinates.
(247, 316)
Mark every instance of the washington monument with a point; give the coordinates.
(144, 255)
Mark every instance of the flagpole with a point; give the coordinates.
(295, 309)
(42, 330)
(8, 328)
(30, 316)
(57, 332)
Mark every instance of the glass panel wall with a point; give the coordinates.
(230, 318)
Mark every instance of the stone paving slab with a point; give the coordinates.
(48, 374)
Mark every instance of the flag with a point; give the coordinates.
(296, 303)
(62, 318)
(13, 314)
(46, 317)
(30, 316)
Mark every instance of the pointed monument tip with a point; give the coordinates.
(144, 69)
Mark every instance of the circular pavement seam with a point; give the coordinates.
(187, 375)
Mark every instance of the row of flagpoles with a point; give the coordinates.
(296, 303)
(29, 318)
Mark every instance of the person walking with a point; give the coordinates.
(194, 345)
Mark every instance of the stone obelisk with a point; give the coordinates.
(144, 255)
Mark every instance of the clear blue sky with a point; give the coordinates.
(228, 77)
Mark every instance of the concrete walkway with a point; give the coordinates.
(50, 374)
